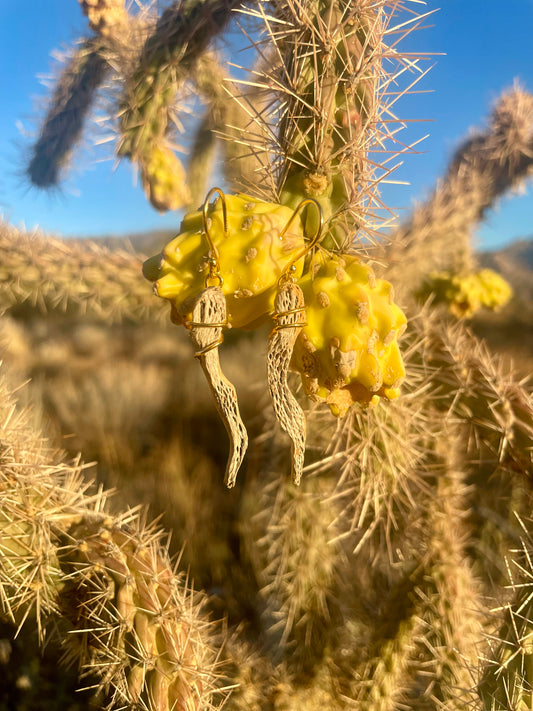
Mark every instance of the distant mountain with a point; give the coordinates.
(146, 243)
(519, 252)
(514, 263)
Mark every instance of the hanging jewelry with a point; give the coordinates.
(289, 317)
(209, 318)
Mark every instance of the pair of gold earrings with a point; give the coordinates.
(209, 319)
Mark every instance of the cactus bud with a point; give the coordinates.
(163, 178)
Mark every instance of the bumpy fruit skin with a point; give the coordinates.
(466, 294)
(348, 351)
(251, 256)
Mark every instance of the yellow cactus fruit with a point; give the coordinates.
(496, 292)
(348, 350)
(252, 254)
(465, 294)
(163, 178)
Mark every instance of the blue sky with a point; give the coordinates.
(486, 45)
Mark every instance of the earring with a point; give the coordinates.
(209, 318)
(289, 317)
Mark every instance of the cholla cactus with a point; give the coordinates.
(348, 351)
(182, 34)
(134, 625)
(72, 100)
(252, 257)
(437, 235)
(326, 122)
(290, 536)
(370, 585)
(90, 64)
(506, 681)
(108, 18)
(79, 277)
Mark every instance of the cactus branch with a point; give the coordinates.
(324, 106)
(82, 277)
(133, 622)
(182, 34)
(68, 109)
(491, 162)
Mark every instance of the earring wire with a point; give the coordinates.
(316, 238)
(214, 265)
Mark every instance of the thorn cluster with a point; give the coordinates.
(134, 624)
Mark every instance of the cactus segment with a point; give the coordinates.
(506, 682)
(348, 350)
(182, 34)
(109, 18)
(70, 104)
(251, 258)
(466, 294)
(330, 108)
(163, 178)
(491, 161)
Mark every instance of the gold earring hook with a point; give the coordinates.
(214, 266)
(205, 207)
(291, 266)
